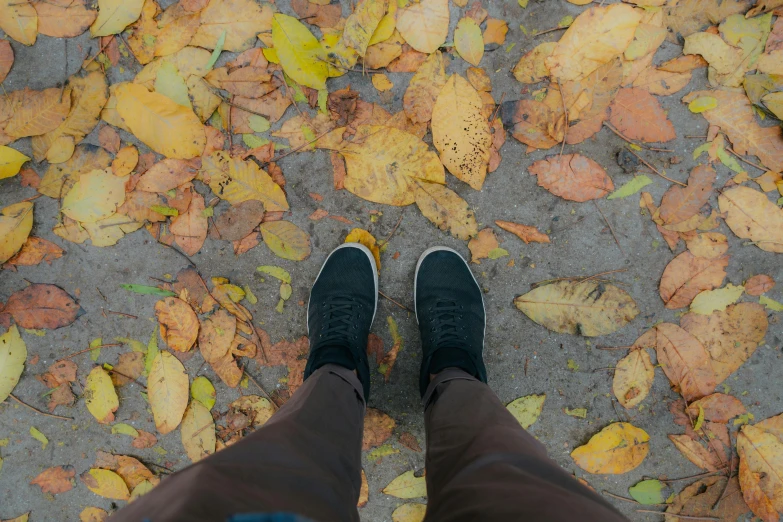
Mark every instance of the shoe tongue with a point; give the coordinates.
(451, 358)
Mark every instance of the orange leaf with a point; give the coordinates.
(637, 114)
(190, 228)
(756, 285)
(55, 480)
(526, 233)
(6, 58)
(687, 275)
(680, 203)
(573, 177)
(378, 428)
(685, 362)
(481, 245)
(178, 323)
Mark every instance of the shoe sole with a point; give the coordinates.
(369, 255)
(416, 280)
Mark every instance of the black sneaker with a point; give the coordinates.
(341, 310)
(450, 312)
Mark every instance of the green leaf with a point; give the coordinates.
(382, 451)
(630, 188)
(702, 103)
(253, 142)
(258, 123)
(218, 49)
(496, 253)
(96, 348)
(648, 492)
(527, 409)
(166, 211)
(124, 429)
(37, 435)
(323, 96)
(701, 149)
(729, 161)
(572, 365)
(249, 295)
(771, 304)
(276, 272)
(699, 419)
(577, 412)
(522, 3)
(566, 21)
(148, 290)
(203, 391)
(136, 346)
(285, 291)
(280, 305)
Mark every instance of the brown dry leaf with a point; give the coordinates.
(709, 497)
(751, 215)
(190, 229)
(409, 441)
(424, 25)
(246, 243)
(756, 285)
(687, 275)
(573, 177)
(409, 61)
(324, 16)
(64, 18)
(128, 368)
(167, 174)
(526, 233)
(6, 59)
(660, 82)
(177, 28)
(364, 492)
(700, 456)
(378, 428)
(717, 407)
(55, 480)
(639, 116)
(587, 100)
(760, 448)
(39, 112)
(734, 114)
(597, 36)
(533, 123)
(138, 206)
(191, 288)
(633, 378)
(616, 449)
(216, 335)
(481, 245)
(446, 209)
(36, 250)
(424, 87)
(730, 336)
(109, 139)
(460, 132)
(681, 203)
(685, 361)
(41, 306)
(178, 323)
(479, 79)
(239, 221)
(144, 440)
(709, 245)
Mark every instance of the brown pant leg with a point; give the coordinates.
(306, 459)
(481, 464)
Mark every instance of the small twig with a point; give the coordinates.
(548, 31)
(629, 499)
(565, 114)
(746, 161)
(700, 475)
(656, 170)
(385, 241)
(640, 145)
(168, 471)
(607, 368)
(122, 314)
(260, 344)
(688, 517)
(697, 137)
(31, 198)
(395, 302)
(128, 377)
(602, 273)
(613, 347)
(725, 488)
(296, 149)
(88, 350)
(497, 109)
(610, 228)
(98, 53)
(14, 397)
(268, 397)
(130, 50)
(101, 294)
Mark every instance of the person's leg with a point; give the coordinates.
(481, 464)
(307, 458)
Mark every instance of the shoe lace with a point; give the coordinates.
(447, 325)
(340, 319)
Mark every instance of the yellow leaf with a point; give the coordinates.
(702, 103)
(760, 448)
(633, 377)
(142, 488)
(11, 162)
(286, 240)
(358, 235)
(203, 391)
(178, 323)
(236, 181)
(39, 113)
(126, 160)
(242, 20)
(618, 448)
(381, 82)
(64, 18)
(166, 127)
(169, 83)
(469, 41)
(13, 353)
(95, 196)
(93, 514)
(16, 222)
(19, 21)
(167, 388)
(526, 410)
(407, 485)
(580, 308)
(597, 36)
(446, 209)
(425, 24)
(300, 53)
(409, 513)
(105, 483)
(114, 16)
(460, 131)
(424, 87)
(40, 437)
(532, 68)
(751, 215)
(198, 432)
(88, 97)
(205, 102)
(361, 25)
(646, 40)
(709, 301)
(106, 232)
(386, 26)
(100, 396)
(59, 179)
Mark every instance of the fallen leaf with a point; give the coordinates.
(446, 209)
(198, 432)
(16, 222)
(36, 250)
(167, 388)
(241, 20)
(94, 197)
(717, 407)
(93, 514)
(709, 245)
(685, 361)
(616, 449)
(468, 41)
(573, 177)
(216, 335)
(286, 240)
(409, 441)
(190, 229)
(526, 410)
(144, 440)
(105, 483)
(639, 116)
(167, 175)
(39, 112)
(100, 397)
(687, 275)
(709, 497)
(409, 513)
(381, 82)
(407, 486)
(751, 215)
(526, 233)
(586, 308)
(709, 301)
(301, 54)
(696, 453)
(178, 323)
(759, 284)
(424, 25)
(41, 306)
(202, 390)
(239, 220)
(532, 68)
(532, 122)
(730, 337)
(55, 480)
(633, 378)
(460, 132)
(760, 448)
(358, 235)
(13, 353)
(481, 245)
(114, 16)
(689, 16)
(648, 492)
(6, 59)
(681, 203)
(11, 162)
(60, 178)
(378, 428)
(495, 32)
(236, 181)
